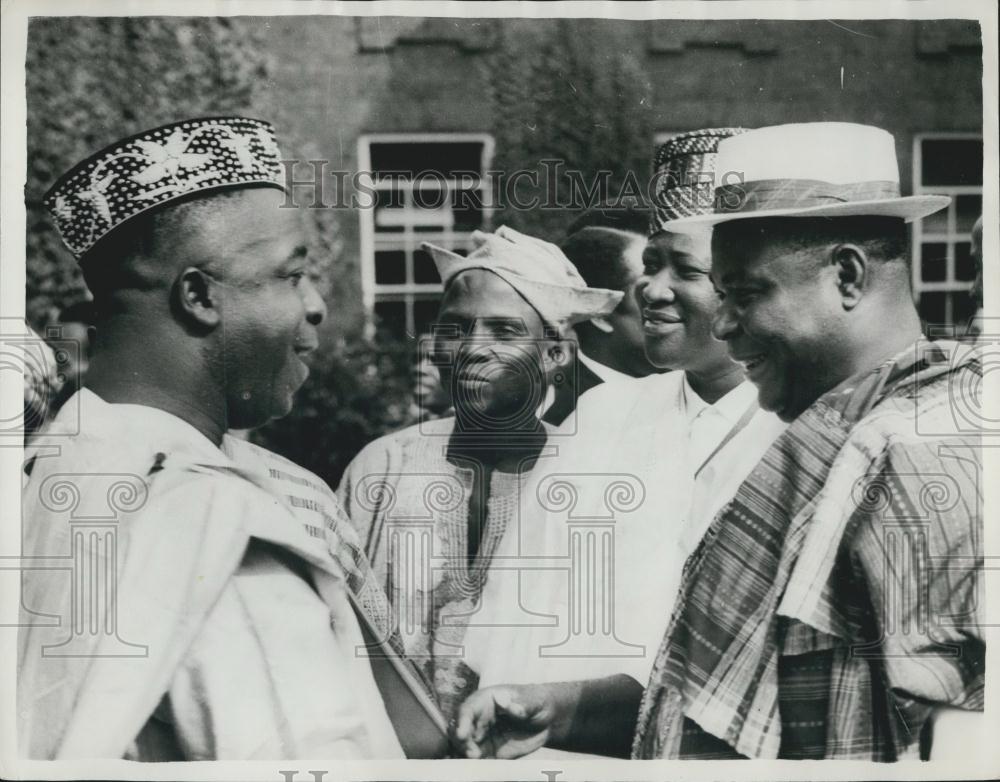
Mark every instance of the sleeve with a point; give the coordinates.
(918, 550)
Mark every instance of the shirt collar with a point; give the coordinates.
(731, 406)
(603, 371)
(160, 430)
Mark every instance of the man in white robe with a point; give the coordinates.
(195, 597)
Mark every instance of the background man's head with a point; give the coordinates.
(804, 297)
(493, 352)
(507, 306)
(976, 251)
(605, 245)
(195, 266)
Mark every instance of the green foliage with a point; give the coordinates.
(556, 99)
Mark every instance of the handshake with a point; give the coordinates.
(510, 721)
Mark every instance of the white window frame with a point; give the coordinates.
(372, 291)
(952, 236)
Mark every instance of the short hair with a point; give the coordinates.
(596, 243)
(634, 219)
(109, 265)
(884, 238)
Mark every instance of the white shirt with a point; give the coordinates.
(648, 437)
(603, 371)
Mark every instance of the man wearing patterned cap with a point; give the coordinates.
(688, 437)
(431, 502)
(209, 608)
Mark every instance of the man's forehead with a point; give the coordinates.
(481, 294)
(694, 245)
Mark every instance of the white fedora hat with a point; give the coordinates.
(811, 169)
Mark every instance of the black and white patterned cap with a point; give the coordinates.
(684, 175)
(159, 166)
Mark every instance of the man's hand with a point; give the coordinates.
(507, 721)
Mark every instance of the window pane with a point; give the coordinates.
(448, 158)
(932, 308)
(468, 208)
(390, 267)
(934, 262)
(391, 317)
(953, 161)
(389, 213)
(424, 313)
(424, 270)
(962, 308)
(965, 269)
(968, 208)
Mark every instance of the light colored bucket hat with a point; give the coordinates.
(536, 269)
(813, 169)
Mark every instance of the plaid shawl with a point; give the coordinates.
(718, 666)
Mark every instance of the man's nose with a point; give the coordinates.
(653, 288)
(724, 325)
(315, 306)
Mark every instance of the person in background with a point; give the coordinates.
(430, 398)
(239, 588)
(605, 245)
(41, 383)
(431, 502)
(73, 327)
(975, 329)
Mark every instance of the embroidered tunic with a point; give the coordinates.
(410, 503)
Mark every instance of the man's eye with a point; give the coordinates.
(296, 276)
(690, 273)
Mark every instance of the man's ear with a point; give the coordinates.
(851, 264)
(197, 297)
(602, 324)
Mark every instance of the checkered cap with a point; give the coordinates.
(159, 166)
(684, 175)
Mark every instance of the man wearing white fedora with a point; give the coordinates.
(834, 608)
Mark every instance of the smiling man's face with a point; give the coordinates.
(779, 315)
(677, 302)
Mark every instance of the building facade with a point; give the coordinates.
(399, 96)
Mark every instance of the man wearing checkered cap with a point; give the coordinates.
(220, 619)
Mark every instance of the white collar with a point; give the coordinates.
(141, 424)
(731, 406)
(603, 371)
